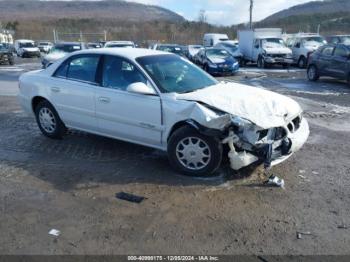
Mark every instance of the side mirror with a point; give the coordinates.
(140, 88)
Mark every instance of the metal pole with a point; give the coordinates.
(251, 14)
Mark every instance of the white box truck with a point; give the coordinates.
(265, 47)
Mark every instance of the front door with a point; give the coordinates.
(124, 115)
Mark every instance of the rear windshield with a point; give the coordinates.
(65, 48)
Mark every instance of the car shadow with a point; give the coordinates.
(85, 160)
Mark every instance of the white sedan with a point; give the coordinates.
(161, 100)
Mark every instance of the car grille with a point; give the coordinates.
(294, 125)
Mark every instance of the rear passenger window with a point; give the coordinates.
(83, 68)
(328, 51)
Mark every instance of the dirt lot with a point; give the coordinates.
(70, 185)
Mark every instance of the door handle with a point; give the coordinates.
(55, 89)
(104, 100)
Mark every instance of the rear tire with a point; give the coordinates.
(194, 154)
(49, 121)
(302, 63)
(312, 73)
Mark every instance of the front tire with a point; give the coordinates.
(312, 73)
(194, 154)
(261, 62)
(48, 120)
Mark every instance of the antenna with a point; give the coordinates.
(251, 14)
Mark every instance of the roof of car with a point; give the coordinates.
(68, 43)
(130, 53)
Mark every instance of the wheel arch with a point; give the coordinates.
(180, 124)
(36, 100)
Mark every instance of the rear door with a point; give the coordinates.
(339, 62)
(124, 115)
(72, 91)
(325, 61)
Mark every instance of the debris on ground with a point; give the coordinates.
(301, 176)
(275, 181)
(343, 227)
(301, 234)
(302, 171)
(54, 232)
(315, 173)
(130, 197)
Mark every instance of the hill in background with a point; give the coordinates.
(333, 16)
(114, 9)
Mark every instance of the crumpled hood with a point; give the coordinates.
(312, 45)
(278, 50)
(264, 108)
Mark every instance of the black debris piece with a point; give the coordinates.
(130, 197)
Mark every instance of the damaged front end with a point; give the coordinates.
(249, 144)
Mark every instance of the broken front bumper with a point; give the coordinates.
(278, 60)
(298, 139)
(272, 153)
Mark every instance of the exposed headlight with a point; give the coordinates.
(235, 64)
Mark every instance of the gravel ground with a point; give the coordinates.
(70, 185)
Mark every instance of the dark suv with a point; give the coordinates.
(330, 60)
(6, 55)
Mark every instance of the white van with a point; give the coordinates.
(26, 48)
(210, 40)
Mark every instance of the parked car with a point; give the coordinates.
(119, 44)
(265, 47)
(60, 50)
(45, 47)
(330, 60)
(26, 48)
(171, 48)
(94, 45)
(193, 50)
(217, 61)
(168, 103)
(338, 39)
(210, 40)
(6, 55)
(232, 49)
(303, 45)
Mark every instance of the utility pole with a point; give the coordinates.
(251, 14)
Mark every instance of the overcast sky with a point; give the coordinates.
(224, 12)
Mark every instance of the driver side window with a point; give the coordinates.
(119, 73)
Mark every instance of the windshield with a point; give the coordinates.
(217, 53)
(316, 39)
(231, 48)
(170, 49)
(2, 47)
(345, 40)
(43, 44)
(173, 74)
(119, 45)
(26, 45)
(273, 42)
(65, 48)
